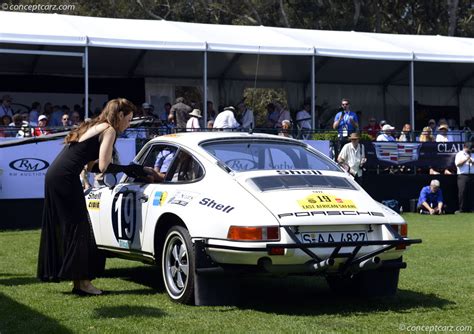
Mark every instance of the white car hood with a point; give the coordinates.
(316, 205)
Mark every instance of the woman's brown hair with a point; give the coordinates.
(110, 114)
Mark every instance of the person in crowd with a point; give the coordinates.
(466, 131)
(303, 121)
(386, 133)
(211, 113)
(373, 128)
(5, 129)
(464, 162)
(282, 113)
(426, 135)
(34, 113)
(352, 157)
(16, 126)
(285, 130)
(210, 124)
(65, 121)
(6, 106)
(163, 162)
(442, 136)
(179, 114)
(193, 121)
(41, 130)
(75, 118)
(407, 134)
(432, 125)
(55, 118)
(164, 114)
(246, 116)
(272, 116)
(67, 248)
(345, 121)
(431, 199)
(47, 109)
(147, 110)
(226, 119)
(6, 120)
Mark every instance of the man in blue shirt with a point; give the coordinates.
(163, 162)
(431, 199)
(346, 121)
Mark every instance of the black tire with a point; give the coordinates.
(177, 265)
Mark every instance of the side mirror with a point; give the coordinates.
(110, 180)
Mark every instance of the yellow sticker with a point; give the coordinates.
(163, 197)
(325, 202)
(93, 204)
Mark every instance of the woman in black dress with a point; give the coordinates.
(67, 247)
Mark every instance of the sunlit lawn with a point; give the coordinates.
(437, 288)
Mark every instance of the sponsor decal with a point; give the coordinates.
(330, 213)
(299, 172)
(210, 203)
(181, 198)
(159, 198)
(396, 152)
(241, 164)
(29, 165)
(93, 204)
(449, 148)
(325, 202)
(93, 195)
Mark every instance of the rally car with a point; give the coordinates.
(241, 202)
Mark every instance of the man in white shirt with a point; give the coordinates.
(248, 121)
(5, 107)
(303, 121)
(464, 162)
(226, 119)
(386, 134)
(352, 157)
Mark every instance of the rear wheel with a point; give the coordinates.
(177, 263)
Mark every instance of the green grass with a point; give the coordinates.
(437, 288)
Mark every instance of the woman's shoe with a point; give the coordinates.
(83, 293)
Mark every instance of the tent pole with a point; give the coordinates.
(86, 82)
(313, 92)
(205, 88)
(412, 94)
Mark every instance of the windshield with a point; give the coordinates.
(267, 155)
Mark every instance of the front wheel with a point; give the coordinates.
(177, 263)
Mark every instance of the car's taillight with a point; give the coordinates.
(401, 229)
(254, 233)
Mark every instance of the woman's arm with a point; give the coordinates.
(106, 148)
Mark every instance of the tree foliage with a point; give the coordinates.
(427, 17)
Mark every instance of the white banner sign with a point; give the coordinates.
(23, 168)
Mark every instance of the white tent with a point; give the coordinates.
(381, 71)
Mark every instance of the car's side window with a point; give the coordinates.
(184, 169)
(160, 158)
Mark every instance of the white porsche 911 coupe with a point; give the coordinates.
(249, 202)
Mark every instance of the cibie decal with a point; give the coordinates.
(325, 202)
(159, 198)
(93, 204)
(210, 203)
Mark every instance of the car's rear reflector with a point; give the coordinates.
(276, 251)
(253, 233)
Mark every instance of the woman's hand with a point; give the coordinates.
(152, 175)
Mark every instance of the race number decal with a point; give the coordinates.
(325, 202)
(124, 216)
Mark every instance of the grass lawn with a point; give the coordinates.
(437, 288)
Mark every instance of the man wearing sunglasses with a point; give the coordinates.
(346, 121)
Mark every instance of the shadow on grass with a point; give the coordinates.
(8, 279)
(128, 311)
(18, 318)
(149, 276)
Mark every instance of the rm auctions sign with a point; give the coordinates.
(23, 168)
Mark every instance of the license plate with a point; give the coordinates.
(314, 237)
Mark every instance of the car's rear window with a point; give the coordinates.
(249, 155)
(275, 182)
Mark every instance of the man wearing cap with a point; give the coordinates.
(5, 107)
(464, 162)
(352, 157)
(431, 199)
(40, 130)
(386, 133)
(193, 121)
(179, 114)
(346, 121)
(226, 119)
(147, 109)
(442, 136)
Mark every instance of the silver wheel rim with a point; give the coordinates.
(176, 265)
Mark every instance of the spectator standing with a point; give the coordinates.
(346, 121)
(211, 113)
(407, 134)
(431, 199)
(432, 125)
(464, 163)
(179, 114)
(34, 113)
(56, 115)
(373, 128)
(386, 133)
(272, 116)
(193, 121)
(282, 113)
(247, 118)
(6, 106)
(352, 157)
(226, 119)
(303, 121)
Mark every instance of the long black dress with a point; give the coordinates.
(67, 247)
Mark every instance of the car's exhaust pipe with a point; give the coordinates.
(372, 263)
(309, 267)
(322, 265)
